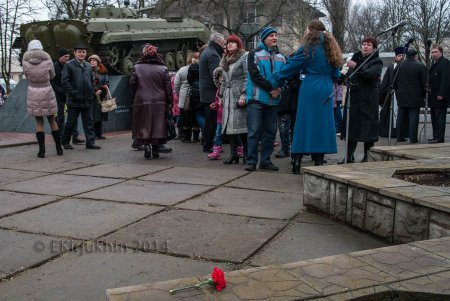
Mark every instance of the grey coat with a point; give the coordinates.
(38, 69)
(181, 85)
(233, 88)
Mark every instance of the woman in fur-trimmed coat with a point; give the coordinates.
(41, 100)
(233, 69)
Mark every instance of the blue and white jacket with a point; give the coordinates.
(262, 62)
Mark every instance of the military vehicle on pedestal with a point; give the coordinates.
(117, 35)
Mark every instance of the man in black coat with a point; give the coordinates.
(385, 96)
(61, 94)
(209, 61)
(79, 82)
(410, 92)
(439, 81)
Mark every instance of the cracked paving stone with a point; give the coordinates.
(146, 192)
(80, 276)
(77, 218)
(202, 234)
(118, 170)
(264, 204)
(203, 176)
(59, 184)
(11, 202)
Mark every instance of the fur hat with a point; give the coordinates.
(266, 31)
(35, 45)
(62, 52)
(371, 40)
(95, 57)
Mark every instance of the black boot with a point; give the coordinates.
(186, 136)
(296, 162)
(147, 151)
(318, 159)
(195, 134)
(155, 154)
(350, 153)
(40, 136)
(233, 158)
(57, 138)
(367, 146)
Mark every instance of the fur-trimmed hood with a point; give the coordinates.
(35, 57)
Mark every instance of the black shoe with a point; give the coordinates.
(155, 154)
(76, 140)
(435, 141)
(233, 159)
(162, 149)
(296, 165)
(281, 154)
(147, 151)
(268, 167)
(401, 140)
(365, 159)
(101, 137)
(350, 160)
(430, 139)
(68, 146)
(207, 150)
(93, 146)
(250, 167)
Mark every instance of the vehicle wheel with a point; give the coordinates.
(181, 59)
(169, 58)
(127, 65)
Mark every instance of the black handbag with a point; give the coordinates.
(170, 127)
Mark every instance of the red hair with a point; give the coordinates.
(235, 39)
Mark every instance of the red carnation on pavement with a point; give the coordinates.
(217, 279)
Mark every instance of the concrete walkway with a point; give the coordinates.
(73, 226)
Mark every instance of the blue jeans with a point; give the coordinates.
(262, 126)
(200, 117)
(218, 136)
(284, 126)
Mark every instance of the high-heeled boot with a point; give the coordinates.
(233, 158)
(296, 162)
(57, 138)
(40, 136)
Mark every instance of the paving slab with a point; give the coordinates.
(190, 175)
(403, 261)
(119, 170)
(202, 234)
(86, 277)
(439, 246)
(20, 251)
(253, 203)
(269, 181)
(302, 241)
(11, 175)
(313, 218)
(77, 218)
(60, 184)
(147, 192)
(44, 165)
(11, 202)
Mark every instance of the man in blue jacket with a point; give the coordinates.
(262, 99)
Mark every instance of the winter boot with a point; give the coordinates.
(233, 158)
(57, 138)
(186, 136)
(195, 134)
(40, 136)
(215, 155)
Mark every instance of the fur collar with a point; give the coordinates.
(152, 60)
(228, 60)
(36, 56)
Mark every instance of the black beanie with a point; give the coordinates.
(62, 52)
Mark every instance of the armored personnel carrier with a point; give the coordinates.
(117, 35)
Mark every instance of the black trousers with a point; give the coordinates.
(88, 124)
(210, 127)
(61, 122)
(438, 121)
(411, 115)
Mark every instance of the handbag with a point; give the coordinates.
(109, 104)
(170, 127)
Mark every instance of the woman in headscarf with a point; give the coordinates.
(41, 100)
(318, 59)
(101, 89)
(150, 82)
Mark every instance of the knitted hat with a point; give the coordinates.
(399, 50)
(35, 45)
(266, 31)
(62, 52)
(150, 50)
(371, 40)
(95, 57)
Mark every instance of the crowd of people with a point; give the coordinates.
(224, 92)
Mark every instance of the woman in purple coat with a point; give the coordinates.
(150, 82)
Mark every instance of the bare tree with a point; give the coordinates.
(12, 13)
(338, 13)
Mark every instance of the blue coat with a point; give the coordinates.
(314, 130)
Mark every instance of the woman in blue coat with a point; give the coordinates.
(318, 59)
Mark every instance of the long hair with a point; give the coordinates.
(312, 38)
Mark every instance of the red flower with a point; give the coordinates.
(219, 279)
